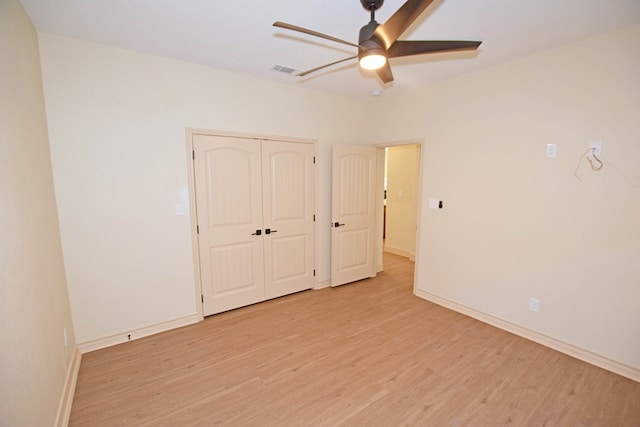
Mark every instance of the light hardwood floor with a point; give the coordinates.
(364, 354)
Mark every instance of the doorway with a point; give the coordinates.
(398, 204)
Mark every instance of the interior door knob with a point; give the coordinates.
(269, 231)
(257, 233)
(337, 224)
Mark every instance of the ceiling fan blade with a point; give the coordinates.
(408, 48)
(385, 73)
(311, 32)
(400, 21)
(304, 73)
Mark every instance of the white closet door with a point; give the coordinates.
(352, 213)
(229, 209)
(288, 209)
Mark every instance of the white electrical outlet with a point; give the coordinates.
(534, 304)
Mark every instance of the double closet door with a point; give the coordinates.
(255, 213)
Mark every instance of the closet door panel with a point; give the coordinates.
(229, 210)
(288, 210)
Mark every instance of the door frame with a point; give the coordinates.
(193, 217)
(379, 249)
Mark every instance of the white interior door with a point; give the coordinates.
(288, 212)
(229, 209)
(255, 204)
(352, 213)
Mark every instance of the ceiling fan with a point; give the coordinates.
(378, 43)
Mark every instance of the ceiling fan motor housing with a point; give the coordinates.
(368, 40)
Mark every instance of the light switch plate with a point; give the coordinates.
(552, 151)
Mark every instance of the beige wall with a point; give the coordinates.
(403, 163)
(34, 306)
(517, 225)
(117, 131)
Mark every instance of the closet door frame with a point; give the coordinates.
(190, 133)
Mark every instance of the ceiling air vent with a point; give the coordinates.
(283, 69)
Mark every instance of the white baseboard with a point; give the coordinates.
(64, 408)
(135, 334)
(322, 285)
(400, 252)
(561, 346)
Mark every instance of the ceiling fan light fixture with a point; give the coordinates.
(373, 60)
(378, 42)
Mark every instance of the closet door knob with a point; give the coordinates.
(269, 231)
(337, 224)
(257, 233)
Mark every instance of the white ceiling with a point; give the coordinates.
(238, 35)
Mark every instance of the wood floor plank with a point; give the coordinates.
(364, 354)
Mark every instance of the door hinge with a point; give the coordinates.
(314, 273)
(197, 229)
(202, 298)
(314, 160)
(193, 154)
(314, 218)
